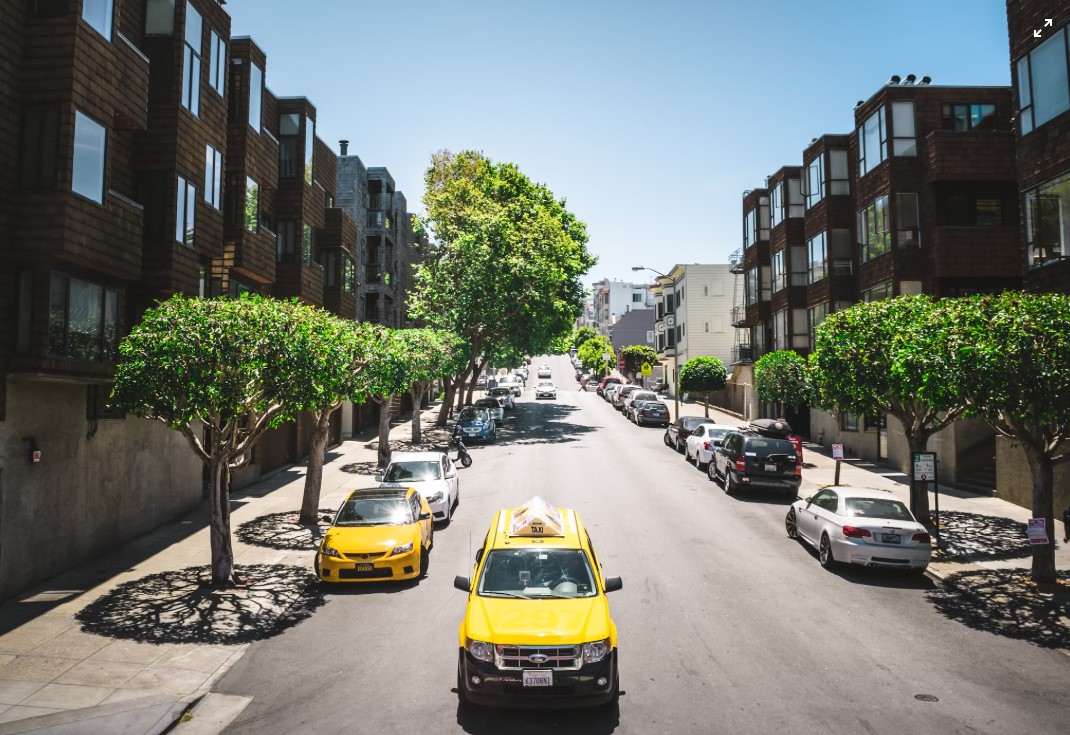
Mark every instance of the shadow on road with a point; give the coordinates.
(486, 721)
(878, 577)
(545, 422)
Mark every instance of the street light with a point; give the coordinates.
(675, 344)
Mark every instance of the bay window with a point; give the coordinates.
(213, 176)
(217, 63)
(814, 181)
(798, 266)
(256, 96)
(252, 205)
(872, 142)
(816, 249)
(874, 238)
(185, 212)
(776, 211)
(903, 140)
(968, 117)
(90, 139)
(310, 139)
(191, 61)
(839, 183)
(1043, 83)
(1047, 221)
(779, 272)
(83, 320)
(907, 220)
(98, 14)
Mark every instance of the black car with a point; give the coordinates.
(677, 432)
(750, 459)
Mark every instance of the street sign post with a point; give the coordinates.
(837, 454)
(924, 470)
(647, 370)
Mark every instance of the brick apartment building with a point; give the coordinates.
(152, 159)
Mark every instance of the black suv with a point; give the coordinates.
(748, 458)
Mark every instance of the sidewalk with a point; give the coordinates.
(153, 653)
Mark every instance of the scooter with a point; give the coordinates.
(462, 451)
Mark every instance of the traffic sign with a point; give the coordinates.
(646, 369)
(837, 451)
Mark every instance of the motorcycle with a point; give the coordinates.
(462, 451)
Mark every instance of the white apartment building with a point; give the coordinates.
(693, 316)
(612, 299)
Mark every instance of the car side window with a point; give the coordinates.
(831, 502)
(594, 556)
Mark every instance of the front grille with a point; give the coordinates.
(373, 574)
(363, 555)
(519, 657)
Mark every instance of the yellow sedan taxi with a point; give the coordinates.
(537, 630)
(378, 533)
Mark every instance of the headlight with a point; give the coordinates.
(595, 652)
(328, 551)
(404, 549)
(434, 498)
(481, 650)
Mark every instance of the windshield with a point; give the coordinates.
(499, 391)
(377, 511)
(471, 414)
(488, 403)
(878, 508)
(533, 573)
(413, 471)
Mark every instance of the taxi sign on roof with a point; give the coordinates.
(536, 518)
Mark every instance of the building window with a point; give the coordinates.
(98, 14)
(839, 250)
(796, 208)
(779, 272)
(256, 95)
(800, 330)
(40, 141)
(776, 212)
(903, 140)
(329, 261)
(90, 145)
(968, 210)
(213, 176)
(848, 421)
(1047, 221)
(217, 63)
(289, 130)
(873, 235)
(637, 298)
(780, 330)
(751, 286)
(814, 181)
(798, 266)
(750, 228)
(83, 320)
(191, 61)
(839, 183)
(649, 337)
(286, 242)
(349, 277)
(816, 250)
(159, 17)
(815, 315)
(968, 117)
(1043, 83)
(306, 245)
(909, 288)
(310, 148)
(878, 292)
(907, 220)
(252, 205)
(872, 142)
(185, 211)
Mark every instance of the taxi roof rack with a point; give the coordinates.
(536, 518)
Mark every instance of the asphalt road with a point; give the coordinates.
(725, 625)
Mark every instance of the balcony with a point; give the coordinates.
(380, 202)
(743, 353)
(976, 155)
(252, 255)
(735, 261)
(739, 316)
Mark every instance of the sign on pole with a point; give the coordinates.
(1038, 531)
(925, 466)
(837, 452)
(646, 369)
(605, 356)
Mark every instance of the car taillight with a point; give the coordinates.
(921, 538)
(741, 465)
(644, 412)
(706, 446)
(852, 532)
(798, 470)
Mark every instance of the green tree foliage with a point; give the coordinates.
(590, 355)
(635, 355)
(221, 372)
(889, 356)
(503, 270)
(781, 377)
(1011, 361)
(703, 375)
(431, 354)
(582, 334)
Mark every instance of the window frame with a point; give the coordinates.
(108, 17)
(192, 61)
(814, 181)
(107, 351)
(868, 250)
(213, 186)
(904, 145)
(80, 115)
(185, 212)
(217, 62)
(256, 74)
(1027, 100)
(865, 166)
(251, 209)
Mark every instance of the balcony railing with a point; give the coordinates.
(739, 316)
(743, 353)
(1045, 253)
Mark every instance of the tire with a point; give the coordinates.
(667, 439)
(791, 525)
(466, 461)
(729, 484)
(711, 471)
(824, 552)
(425, 561)
(462, 698)
(679, 446)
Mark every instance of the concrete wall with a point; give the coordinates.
(89, 492)
(1015, 483)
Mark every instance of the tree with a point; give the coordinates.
(431, 354)
(590, 354)
(222, 372)
(780, 377)
(636, 356)
(1011, 362)
(582, 334)
(703, 375)
(889, 356)
(504, 266)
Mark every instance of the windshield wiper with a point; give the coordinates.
(505, 594)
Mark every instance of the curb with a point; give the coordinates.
(210, 714)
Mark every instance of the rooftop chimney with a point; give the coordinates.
(343, 146)
(910, 79)
(894, 79)
(925, 80)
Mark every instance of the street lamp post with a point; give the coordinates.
(670, 322)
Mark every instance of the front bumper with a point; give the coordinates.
(481, 434)
(579, 688)
(546, 394)
(333, 569)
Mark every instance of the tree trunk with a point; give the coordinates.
(384, 431)
(707, 405)
(472, 384)
(417, 398)
(919, 493)
(1040, 467)
(310, 504)
(219, 524)
(447, 405)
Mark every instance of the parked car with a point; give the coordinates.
(638, 395)
(703, 441)
(545, 389)
(607, 381)
(481, 382)
(378, 533)
(854, 525)
(494, 405)
(650, 412)
(504, 395)
(544, 371)
(611, 392)
(748, 459)
(512, 383)
(677, 432)
(622, 394)
(476, 423)
(431, 473)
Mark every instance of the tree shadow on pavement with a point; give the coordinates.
(485, 721)
(982, 538)
(1005, 602)
(285, 531)
(183, 607)
(541, 423)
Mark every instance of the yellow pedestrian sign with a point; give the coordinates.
(646, 370)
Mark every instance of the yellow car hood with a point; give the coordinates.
(369, 538)
(538, 622)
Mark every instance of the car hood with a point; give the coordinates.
(538, 622)
(369, 538)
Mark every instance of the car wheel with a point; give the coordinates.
(790, 524)
(824, 552)
(680, 446)
(462, 698)
(667, 439)
(425, 560)
(729, 484)
(701, 465)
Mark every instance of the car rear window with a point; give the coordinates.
(877, 508)
(764, 447)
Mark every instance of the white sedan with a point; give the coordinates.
(544, 371)
(546, 389)
(433, 475)
(864, 526)
(703, 441)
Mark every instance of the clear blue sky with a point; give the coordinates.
(651, 117)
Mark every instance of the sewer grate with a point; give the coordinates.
(926, 698)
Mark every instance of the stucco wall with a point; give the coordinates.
(1014, 482)
(88, 493)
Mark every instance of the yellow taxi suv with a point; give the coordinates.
(378, 533)
(537, 630)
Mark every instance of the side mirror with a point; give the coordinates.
(479, 556)
(424, 516)
(462, 583)
(613, 584)
(808, 499)
(379, 475)
(451, 474)
(718, 443)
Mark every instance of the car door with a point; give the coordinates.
(450, 473)
(818, 517)
(695, 441)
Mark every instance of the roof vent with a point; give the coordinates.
(894, 79)
(925, 80)
(910, 79)
(343, 146)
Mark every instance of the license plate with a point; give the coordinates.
(365, 567)
(890, 538)
(770, 468)
(539, 678)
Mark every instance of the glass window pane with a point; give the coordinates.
(1051, 88)
(191, 211)
(84, 320)
(194, 28)
(289, 123)
(256, 89)
(88, 165)
(57, 315)
(217, 62)
(98, 14)
(310, 136)
(306, 244)
(111, 325)
(252, 205)
(159, 17)
(903, 119)
(989, 212)
(983, 117)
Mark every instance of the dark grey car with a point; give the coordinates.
(677, 432)
(747, 459)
